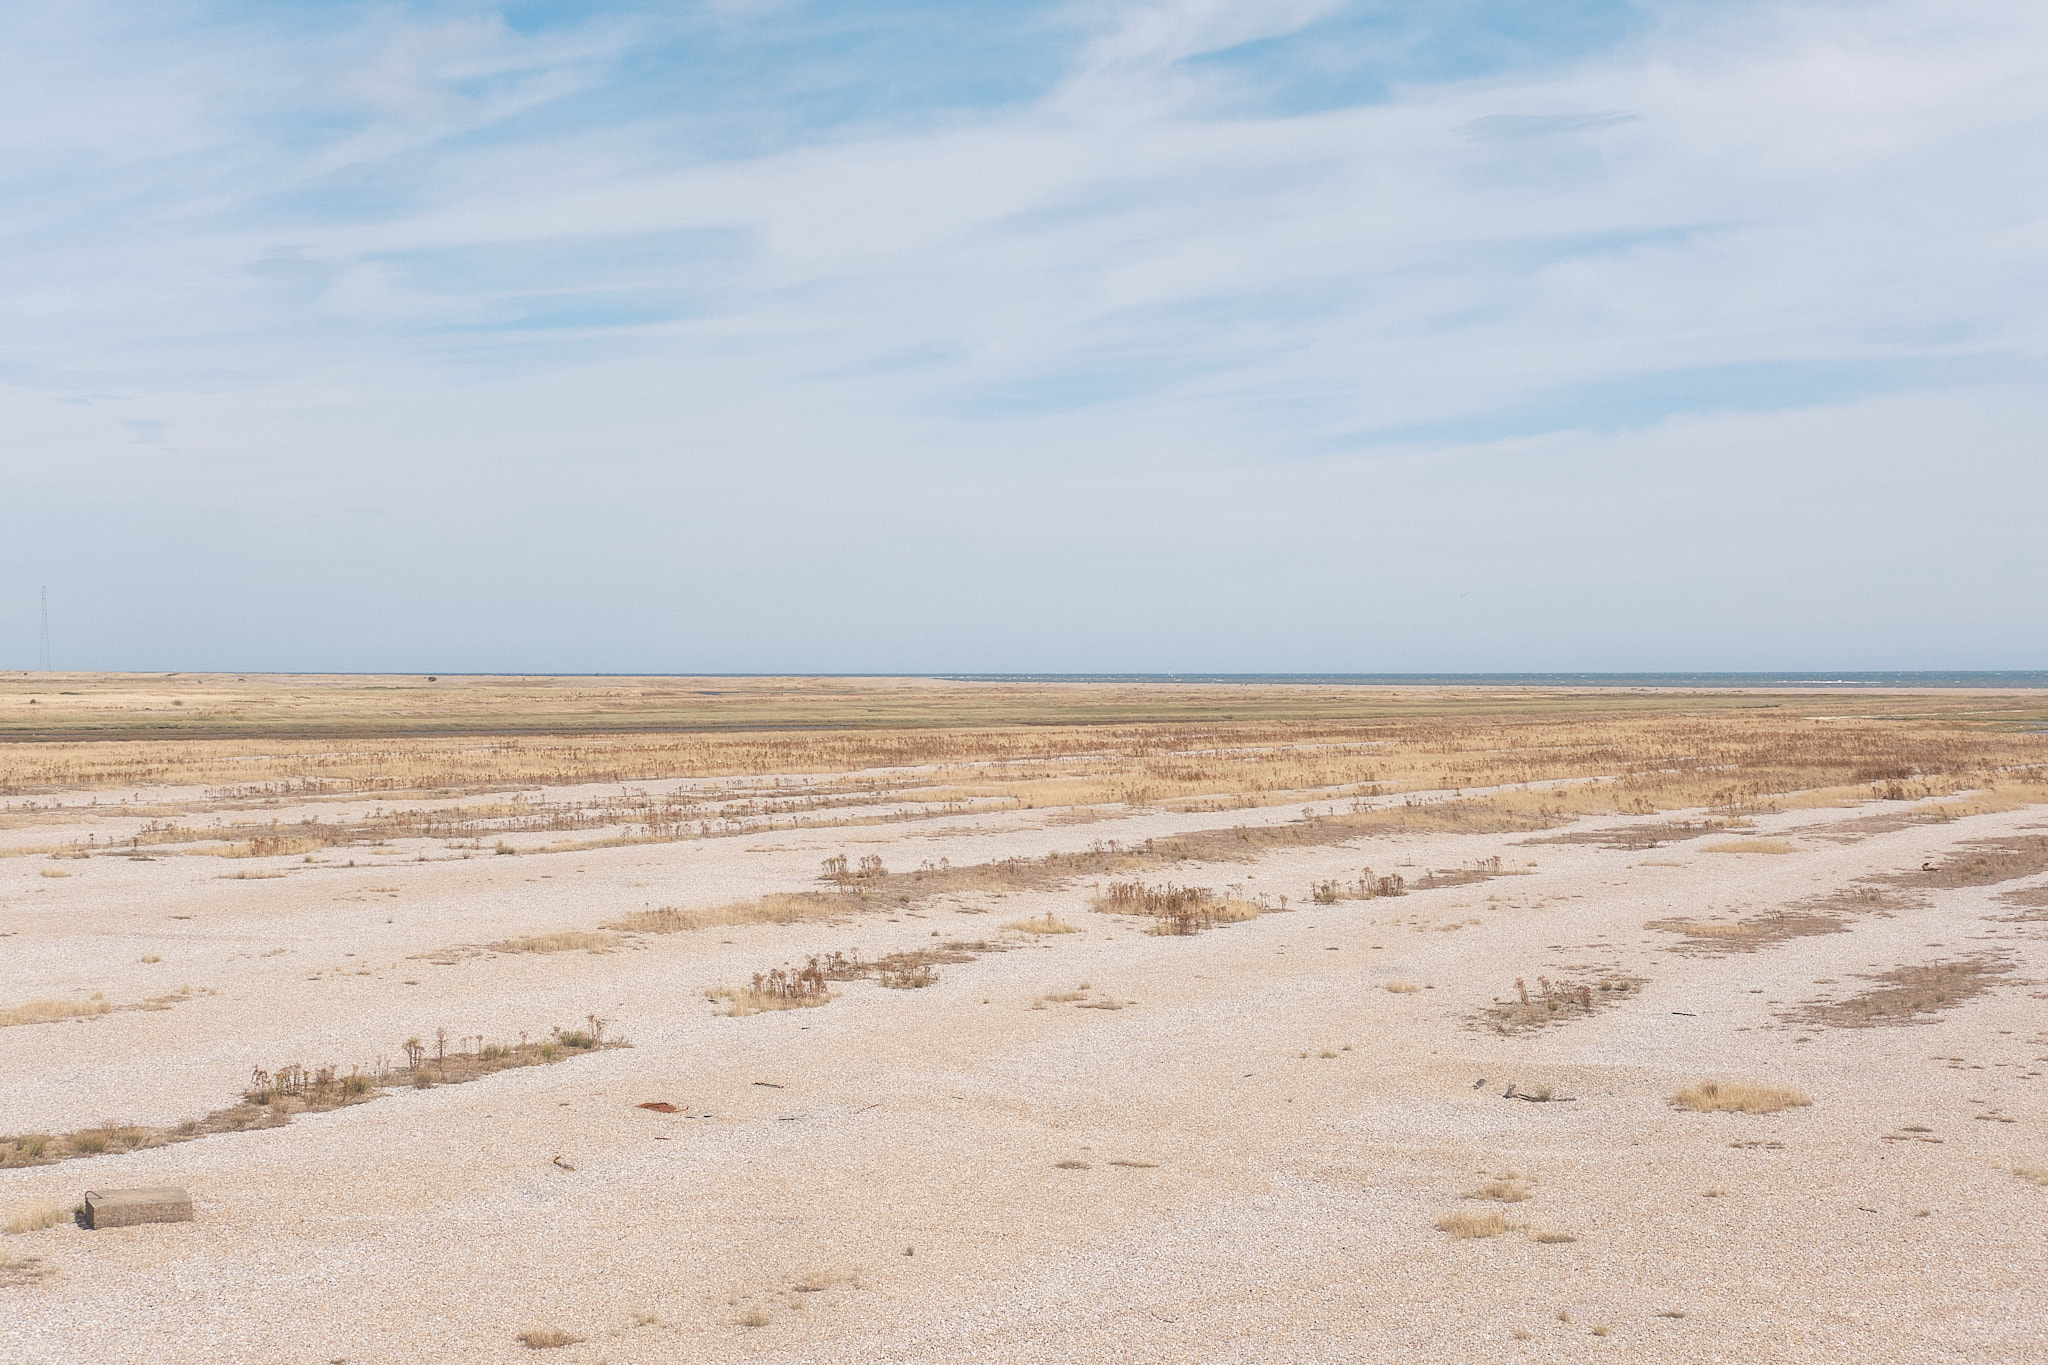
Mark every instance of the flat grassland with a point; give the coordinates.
(838, 1019)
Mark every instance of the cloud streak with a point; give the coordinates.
(1173, 273)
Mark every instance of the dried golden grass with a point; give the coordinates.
(1174, 909)
(1748, 846)
(944, 747)
(1909, 994)
(1470, 1223)
(1403, 987)
(2033, 1175)
(1820, 915)
(1509, 1187)
(747, 1000)
(1047, 923)
(36, 1219)
(818, 1281)
(566, 941)
(795, 907)
(52, 1011)
(1700, 929)
(546, 1338)
(1555, 1002)
(1737, 1097)
(275, 1098)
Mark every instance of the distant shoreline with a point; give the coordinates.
(2027, 679)
(1949, 680)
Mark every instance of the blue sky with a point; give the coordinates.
(1188, 335)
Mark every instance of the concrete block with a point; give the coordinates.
(125, 1208)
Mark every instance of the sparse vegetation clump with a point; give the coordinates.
(1509, 1187)
(1174, 910)
(1470, 1223)
(786, 987)
(2033, 1175)
(21, 1270)
(546, 1338)
(1366, 887)
(1738, 1097)
(1716, 937)
(567, 941)
(36, 1219)
(780, 988)
(1047, 923)
(274, 1098)
(53, 1011)
(1555, 1002)
(1909, 994)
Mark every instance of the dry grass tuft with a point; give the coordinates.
(35, 1220)
(1047, 923)
(546, 1338)
(1638, 837)
(1509, 1187)
(21, 1270)
(755, 1317)
(794, 907)
(1983, 863)
(55, 872)
(52, 1011)
(1174, 910)
(1469, 1223)
(1908, 995)
(1701, 929)
(818, 1281)
(1714, 937)
(1552, 1238)
(568, 941)
(1748, 846)
(787, 988)
(747, 1000)
(2033, 1175)
(1403, 987)
(1737, 1097)
(1554, 1002)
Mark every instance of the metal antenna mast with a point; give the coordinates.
(46, 628)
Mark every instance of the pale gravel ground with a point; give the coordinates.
(1289, 1216)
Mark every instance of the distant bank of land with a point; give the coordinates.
(2018, 678)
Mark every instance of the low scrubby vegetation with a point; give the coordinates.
(1174, 910)
(1738, 1097)
(1555, 1002)
(1465, 1224)
(274, 1097)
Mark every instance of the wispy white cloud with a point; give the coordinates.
(509, 276)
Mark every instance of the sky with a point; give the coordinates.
(906, 336)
